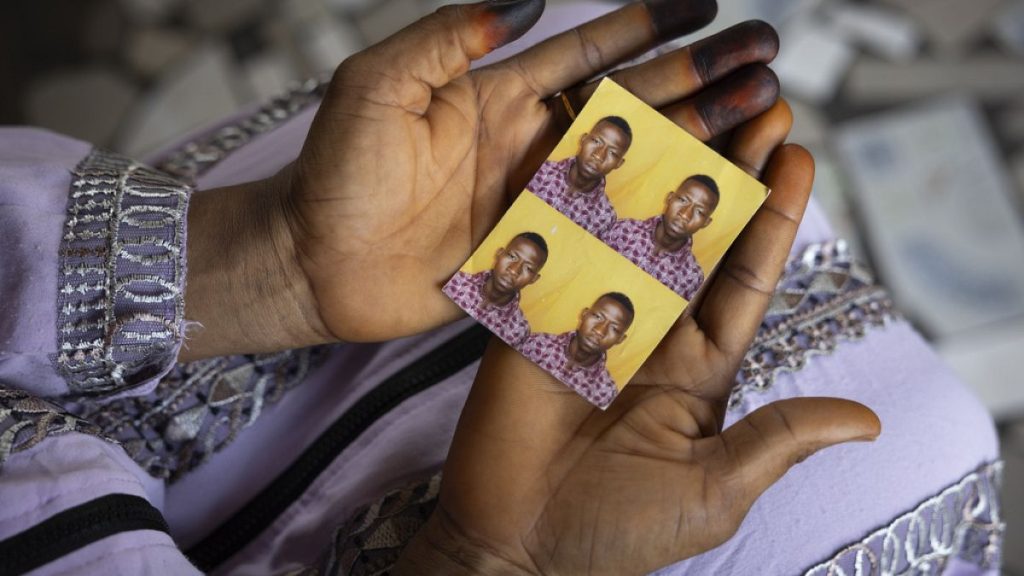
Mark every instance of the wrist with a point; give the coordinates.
(441, 548)
(245, 290)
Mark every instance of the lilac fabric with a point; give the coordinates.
(36, 168)
(934, 429)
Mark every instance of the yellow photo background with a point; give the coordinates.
(579, 269)
(661, 156)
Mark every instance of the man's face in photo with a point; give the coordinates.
(603, 325)
(602, 150)
(688, 209)
(517, 265)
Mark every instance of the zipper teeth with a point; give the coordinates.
(265, 507)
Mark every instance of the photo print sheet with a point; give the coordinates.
(613, 237)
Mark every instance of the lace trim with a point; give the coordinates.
(199, 408)
(120, 302)
(370, 543)
(26, 421)
(823, 298)
(198, 156)
(962, 522)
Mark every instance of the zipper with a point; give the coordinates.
(76, 528)
(246, 524)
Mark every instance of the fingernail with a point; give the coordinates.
(507, 20)
(744, 43)
(673, 18)
(737, 98)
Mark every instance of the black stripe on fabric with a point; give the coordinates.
(246, 524)
(76, 528)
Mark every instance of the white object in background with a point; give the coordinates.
(935, 197)
(88, 103)
(989, 360)
(386, 18)
(324, 43)
(197, 91)
(1008, 27)
(810, 127)
(269, 74)
(812, 61)
(1017, 167)
(879, 30)
(951, 25)
(988, 76)
(829, 190)
(150, 49)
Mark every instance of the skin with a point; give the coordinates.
(688, 209)
(602, 326)
(602, 150)
(407, 166)
(516, 266)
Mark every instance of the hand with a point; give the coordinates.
(540, 482)
(412, 160)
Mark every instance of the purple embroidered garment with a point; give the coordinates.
(591, 210)
(678, 270)
(507, 322)
(551, 352)
(922, 497)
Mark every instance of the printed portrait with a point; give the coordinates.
(565, 300)
(648, 189)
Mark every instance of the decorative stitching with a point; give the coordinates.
(961, 522)
(120, 298)
(199, 407)
(823, 298)
(198, 156)
(26, 421)
(369, 544)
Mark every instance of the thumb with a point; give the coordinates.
(765, 444)
(440, 47)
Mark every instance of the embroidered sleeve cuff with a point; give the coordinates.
(120, 301)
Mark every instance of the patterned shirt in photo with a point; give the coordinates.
(507, 322)
(591, 210)
(678, 270)
(551, 352)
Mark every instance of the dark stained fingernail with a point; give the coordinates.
(742, 44)
(673, 18)
(506, 20)
(737, 98)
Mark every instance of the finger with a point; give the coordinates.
(756, 451)
(753, 142)
(432, 51)
(685, 71)
(728, 103)
(745, 281)
(517, 417)
(583, 52)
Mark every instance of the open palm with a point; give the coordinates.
(412, 159)
(538, 481)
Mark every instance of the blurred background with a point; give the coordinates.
(914, 110)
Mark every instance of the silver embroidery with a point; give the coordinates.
(823, 298)
(199, 408)
(198, 156)
(120, 303)
(26, 421)
(962, 522)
